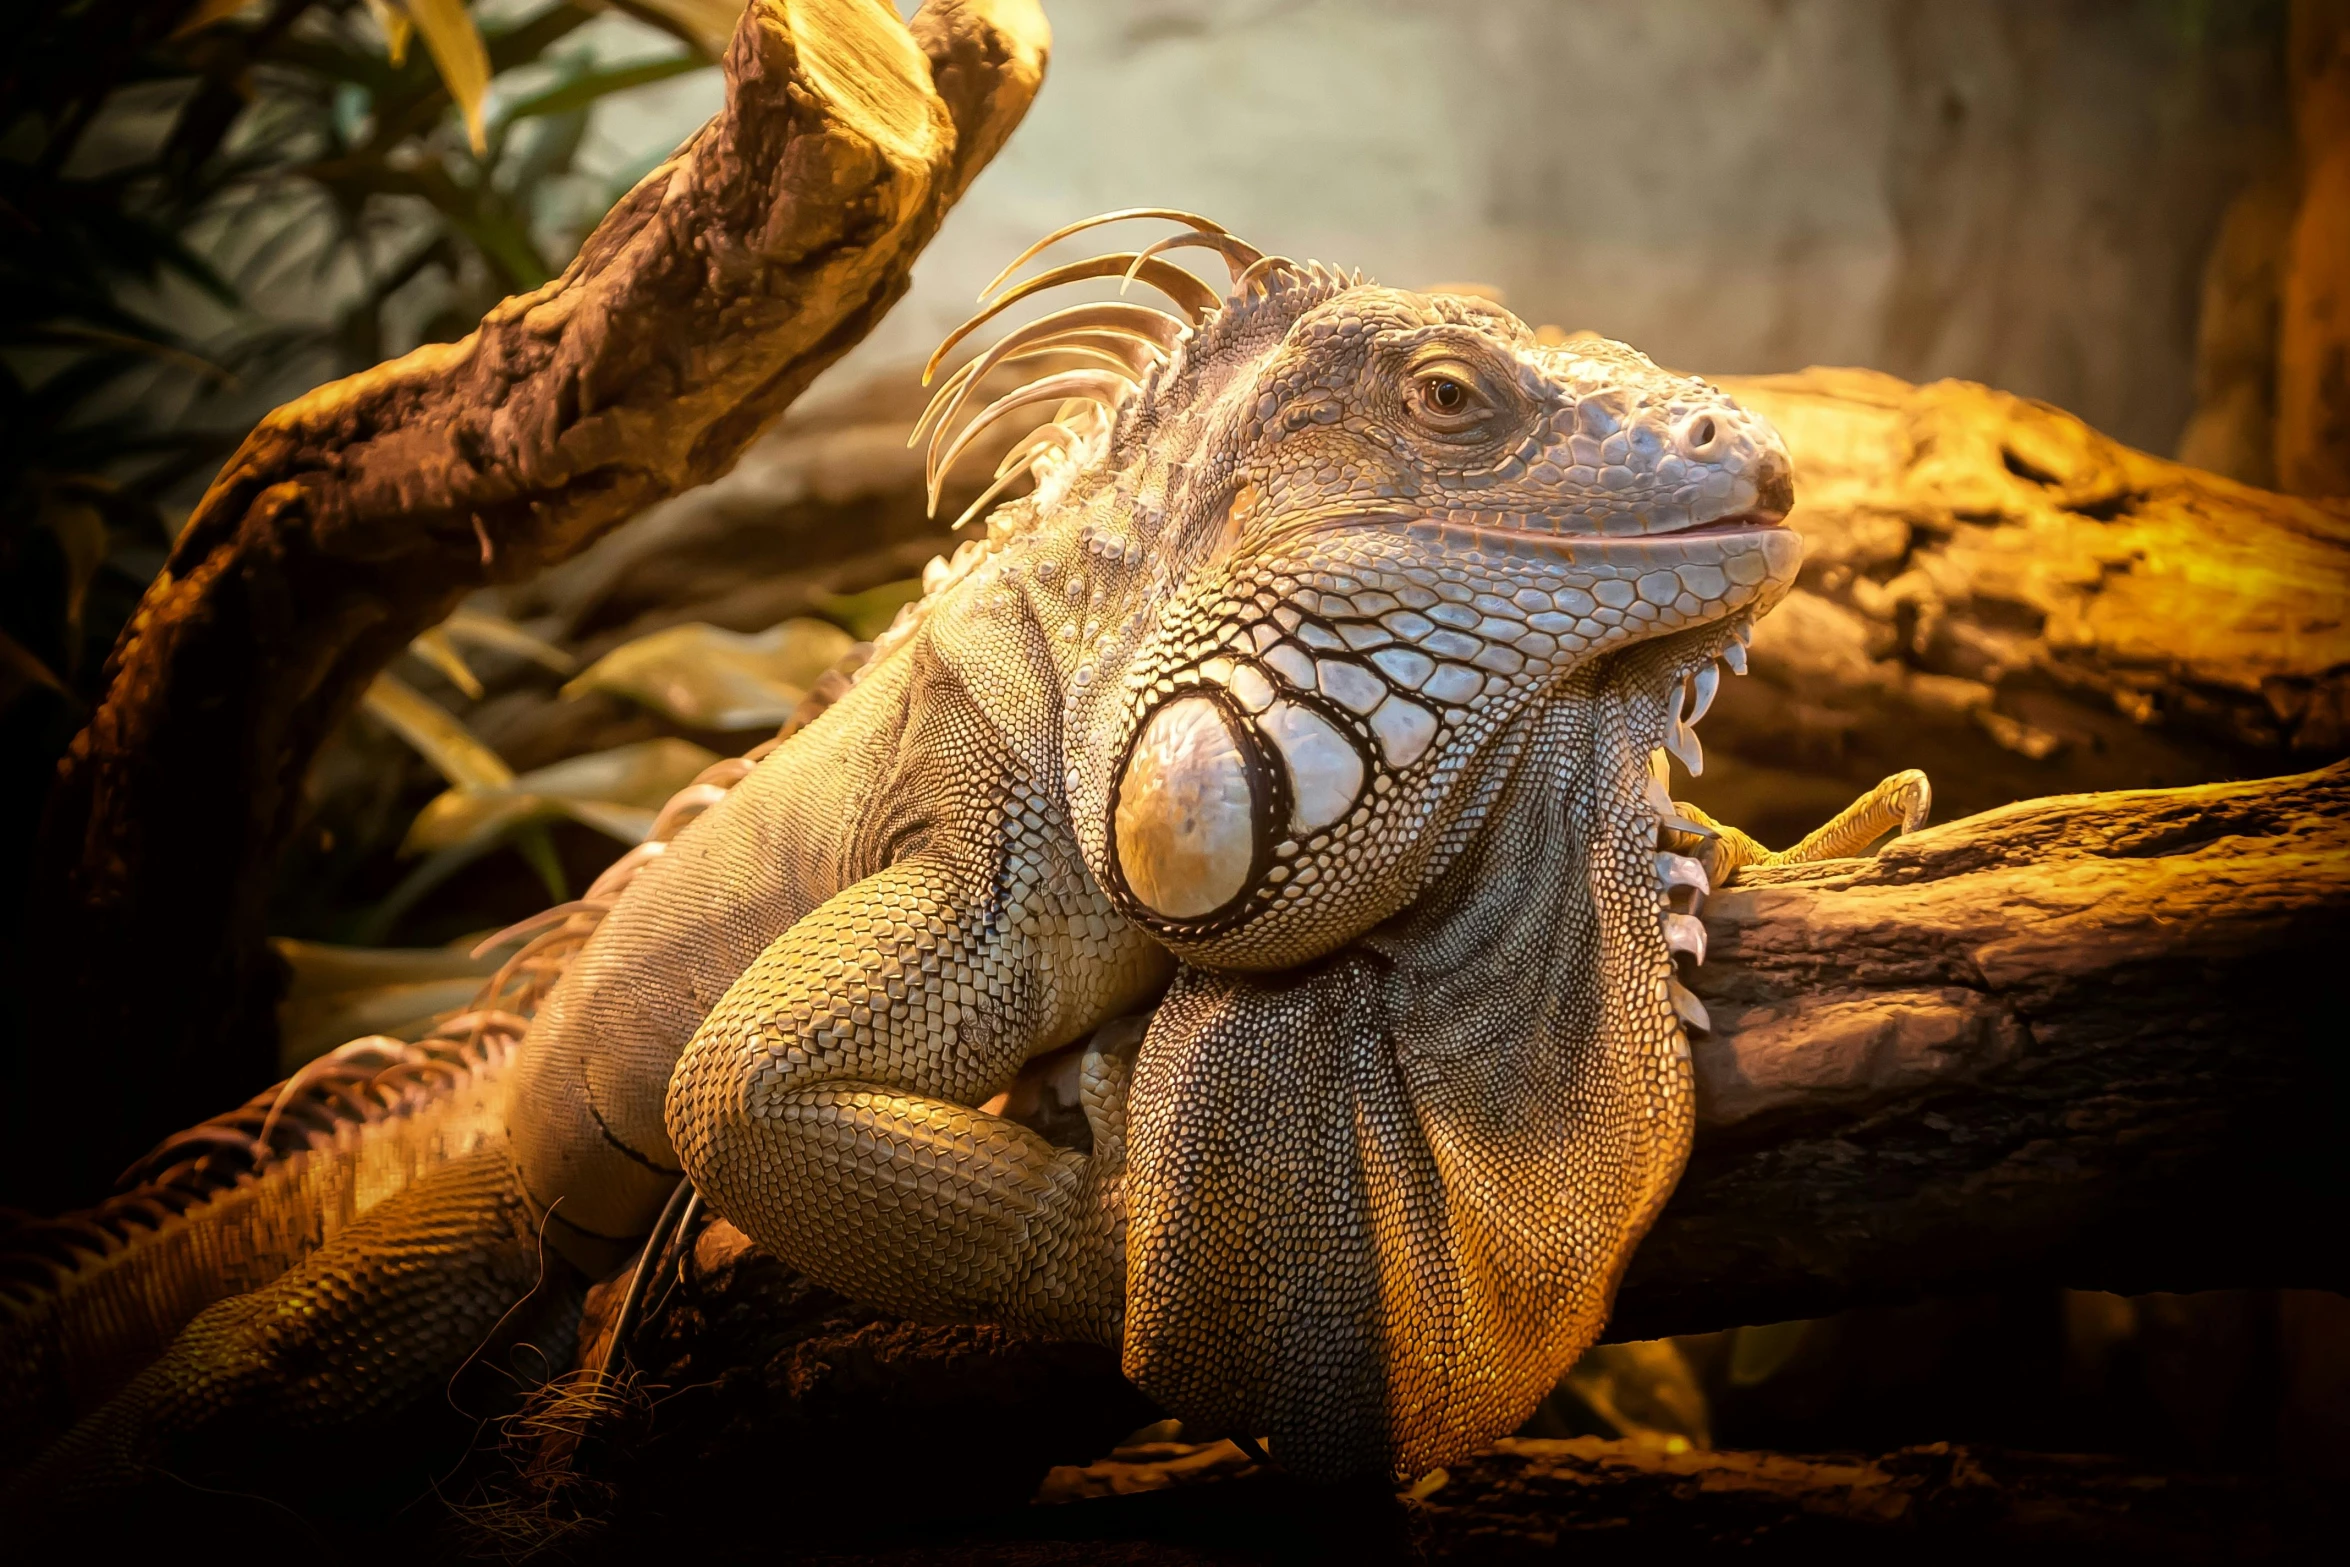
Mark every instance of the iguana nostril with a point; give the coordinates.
(1700, 438)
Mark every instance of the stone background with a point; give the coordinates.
(2020, 192)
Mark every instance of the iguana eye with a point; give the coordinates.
(1445, 399)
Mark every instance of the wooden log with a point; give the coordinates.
(358, 515)
(1998, 594)
(1633, 1501)
(2081, 1041)
(2074, 1042)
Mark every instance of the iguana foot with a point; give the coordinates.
(1900, 804)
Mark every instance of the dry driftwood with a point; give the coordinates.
(358, 515)
(1998, 594)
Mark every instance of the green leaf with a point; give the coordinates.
(617, 792)
(502, 635)
(435, 648)
(539, 849)
(156, 347)
(495, 229)
(870, 613)
(708, 678)
(1643, 1390)
(397, 29)
(460, 56)
(436, 734)
(525, 41)
(205, 13)
(706, 23)
(582, 91)
(1759, 1350)
(343, 993)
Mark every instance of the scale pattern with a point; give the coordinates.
(824, 1104)
(369, 1324)
(1378, 1211)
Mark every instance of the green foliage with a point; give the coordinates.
(868, 614)
(707, 678)
(207, 206)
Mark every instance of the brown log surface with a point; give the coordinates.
(358, 515)
(2080, 1041)
(1589, 1499)
(1995, 592)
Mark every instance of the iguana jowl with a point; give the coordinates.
(1316, 685)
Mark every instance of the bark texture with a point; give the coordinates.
(1536, 1501)
(1998, 594)
(1590, 1500)
(358, 515)
(2078, 1041)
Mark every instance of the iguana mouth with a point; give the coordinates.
(1760, 555)
(1750, 520)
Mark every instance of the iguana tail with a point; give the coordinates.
(380, 1168)
(272, 1386)
(229, 1205)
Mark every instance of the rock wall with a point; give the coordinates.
(2018, 192)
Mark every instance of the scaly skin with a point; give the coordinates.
(1316, 684)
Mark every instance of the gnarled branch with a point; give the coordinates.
(2079, 1041)
(1995, 592)
(358, 515)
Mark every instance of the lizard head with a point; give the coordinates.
(1369, 612)
(1311, 552)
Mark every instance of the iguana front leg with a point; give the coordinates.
(825, 1104)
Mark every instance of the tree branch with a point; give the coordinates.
(1998, 594)
(358, 515)
(2074, 1042)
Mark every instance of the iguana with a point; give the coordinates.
(1311, 693)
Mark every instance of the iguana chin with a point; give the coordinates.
(1316, 686)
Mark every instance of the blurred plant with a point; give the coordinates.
(1647, 1391)
(337, 994)
(868, 614)
(697, 676)
(707, 678)
(615, 791)
(209, 205)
